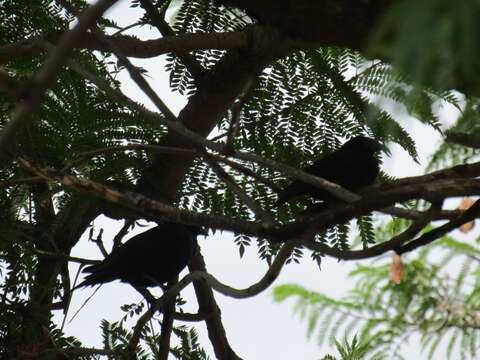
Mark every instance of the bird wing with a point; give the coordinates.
(160, 253)
(322, 167)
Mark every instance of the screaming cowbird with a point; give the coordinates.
(311, 20)
(151, 258)
(353, 166)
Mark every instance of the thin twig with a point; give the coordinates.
(245, 170)
(230, 182)
(219, 136)
(117, 240)
(158, 20)
(86, 155)
(236, 112)
(138, 78)
(98, 241)
(66, 257)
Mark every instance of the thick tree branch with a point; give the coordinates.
(469, 140)
(437, 190)
(188, 317)
(10, 85)
(143, 206)
(133, 47)
(207, 304)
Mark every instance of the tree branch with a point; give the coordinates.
(158, 20)
(167, 326)
(10, 85)
(236, 110)
(66, 257)
(194, 276)
(469, 140)
(392, 244)
(247, 200)
(46, 77)
(438, 190)
(470, 214)
(191, 317)
(133, 47)
(138, 78)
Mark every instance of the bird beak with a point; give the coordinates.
(203, 231)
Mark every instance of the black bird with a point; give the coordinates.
(151, 258)
(353, 166)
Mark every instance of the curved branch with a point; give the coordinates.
(269, 277)
(470, 214)
(392, 244)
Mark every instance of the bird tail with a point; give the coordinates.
(68, 296)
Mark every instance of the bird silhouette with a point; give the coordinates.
(151, 258)
(353, 166)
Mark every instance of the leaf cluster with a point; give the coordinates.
(437, 300)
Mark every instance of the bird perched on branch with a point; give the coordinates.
(353, 167)
(311, 20)
(151, 258)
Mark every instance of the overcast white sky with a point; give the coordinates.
(257, 328)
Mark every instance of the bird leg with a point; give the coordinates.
(146, 294)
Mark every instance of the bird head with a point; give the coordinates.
(197, 230)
